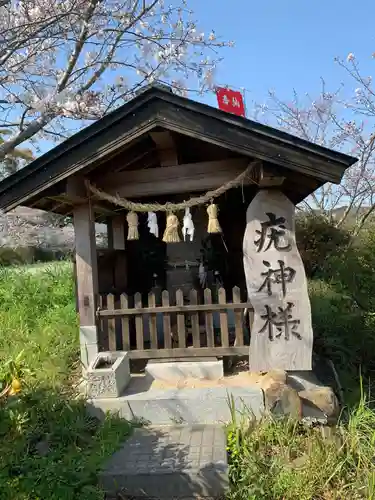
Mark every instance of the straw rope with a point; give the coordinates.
(173, 207)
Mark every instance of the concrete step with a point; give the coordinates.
(200, 405)
(169, 462)
(180, 406)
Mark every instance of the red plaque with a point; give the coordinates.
(230, 101)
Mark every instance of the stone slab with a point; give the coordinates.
(188, 406)
(209, 369)
(169, 462)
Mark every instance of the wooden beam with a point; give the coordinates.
(188, 352)
(173, 309)
(166, 148)
(58, 206)
(266, 176)
(76, 194)
(171, 180)
(74, 200)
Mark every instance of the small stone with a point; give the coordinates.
(322, 398)
(272, 384)
(279, 398)
(272, 377)
(272, 392)
(288, 403)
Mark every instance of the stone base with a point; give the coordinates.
(206, 405)
(171, 371)
(108, 375)
(300, 395)
(177, 462)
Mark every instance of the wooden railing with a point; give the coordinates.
(177, 327)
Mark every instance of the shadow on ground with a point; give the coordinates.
(183, 462)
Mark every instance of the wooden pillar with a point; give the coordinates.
(87, 280)
(116, 232)
(116, 241)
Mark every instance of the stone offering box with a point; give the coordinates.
(108, 375)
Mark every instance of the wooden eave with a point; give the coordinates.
(159, 109)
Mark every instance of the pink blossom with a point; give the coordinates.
(53, 51)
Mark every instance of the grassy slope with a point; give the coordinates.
(49, 447)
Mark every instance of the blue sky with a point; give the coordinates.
(286, 44)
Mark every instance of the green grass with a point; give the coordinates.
(49, 447)
(284, 460)
(37, 315)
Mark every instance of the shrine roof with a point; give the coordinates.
(157, 107)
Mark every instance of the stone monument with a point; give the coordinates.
(281, 335)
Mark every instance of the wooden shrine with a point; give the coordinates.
(199, 204)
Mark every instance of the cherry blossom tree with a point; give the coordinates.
(64, 63)
(337, 122)
(15, 159)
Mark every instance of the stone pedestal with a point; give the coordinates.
(108, 375)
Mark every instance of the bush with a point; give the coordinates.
(318, 240)
(354, 269)
(342, 294)
(29, 255)
(342, 333)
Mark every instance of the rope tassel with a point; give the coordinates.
(132, 219)
(213, 221)
(171, 230)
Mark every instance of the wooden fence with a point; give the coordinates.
(177, 327)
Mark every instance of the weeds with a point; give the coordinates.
(282, 459)
(49, 447)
